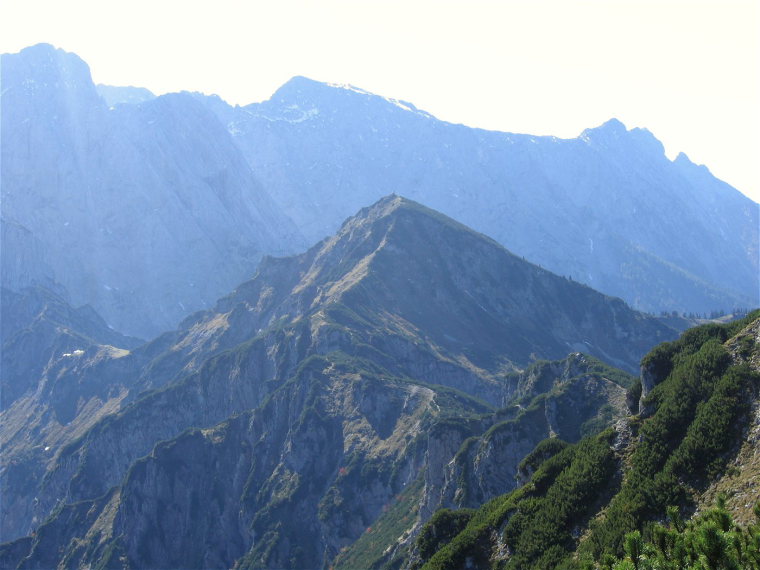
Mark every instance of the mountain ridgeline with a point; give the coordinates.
(389, 366)
(149, 208)
(693, 446)
(598, 208)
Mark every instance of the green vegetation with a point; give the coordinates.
(538, 519)
(370, 550)
(710, 541)
(599, 423)
(442, 527)
(597, 503)
(633, 395)
(545, 450)
(540, 532)
(683, 444)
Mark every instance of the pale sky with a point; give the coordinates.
(688, 70)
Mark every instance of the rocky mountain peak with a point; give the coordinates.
(301, 98)
(686, 164)
(165, 187)
(295, 88)
(613, 134)
(611, 127)
(400, 268)
(43, 72)
(392, 206)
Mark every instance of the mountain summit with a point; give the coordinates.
(398, 260)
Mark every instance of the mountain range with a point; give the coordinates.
(149, 208)
(375, 339)
(356, 369)
(144, 212)
(597, 208)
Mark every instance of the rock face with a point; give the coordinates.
(274, 429)
(39, 325)
(599, 208)
(146, 212)
(576, 397)
(48, 395)
(25, 260)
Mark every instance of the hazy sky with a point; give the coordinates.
(689, 70)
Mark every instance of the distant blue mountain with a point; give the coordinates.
(152, 209)
(607, 208)
(146, 212)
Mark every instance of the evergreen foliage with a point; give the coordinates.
(710, 541)
(684, 444)
(540, 532)
(606, 505)
(443, 526)
(545, 450)
(540, 517)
